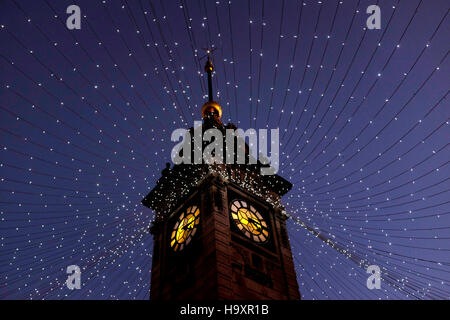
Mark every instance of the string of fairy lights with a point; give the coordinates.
(87, 117)
(386, 101)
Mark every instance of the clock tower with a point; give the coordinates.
(220, 229)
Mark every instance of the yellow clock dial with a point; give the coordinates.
(185, 228)
(249, 221)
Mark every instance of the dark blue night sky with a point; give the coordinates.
(86, 119)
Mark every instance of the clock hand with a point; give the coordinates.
(188, 226)
(258, 224)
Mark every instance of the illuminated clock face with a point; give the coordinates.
(185, 228)
(249, 221)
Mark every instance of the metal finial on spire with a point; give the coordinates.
(209, 68)
(211, 107)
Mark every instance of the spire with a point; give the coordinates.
(209, 68)
(210, 108)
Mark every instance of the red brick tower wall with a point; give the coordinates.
(221, 264)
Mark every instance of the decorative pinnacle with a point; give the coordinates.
(209, 68)
(210, 107)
